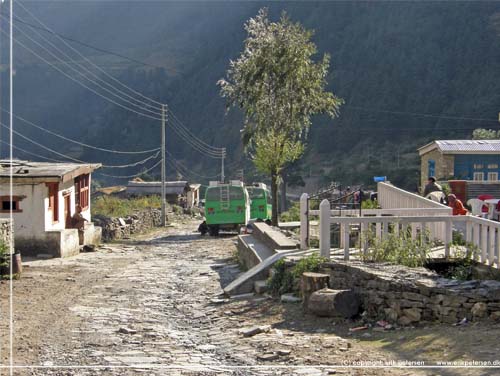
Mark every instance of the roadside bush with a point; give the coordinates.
(285, 280)
(370, 204)
(110, 206)
(398, 249)
(292, 214)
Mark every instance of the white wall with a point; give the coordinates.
(31, 220)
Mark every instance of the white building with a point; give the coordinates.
(43, 202)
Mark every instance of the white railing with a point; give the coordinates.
(481, 235)
(391, 197)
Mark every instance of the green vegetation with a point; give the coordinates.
(4, 254)
(292, 214)
(121, 207)
(398, 249)
(285, 280)
(485, 134)
(370, 204)
(278, 86)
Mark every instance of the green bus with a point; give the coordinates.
(227, 206)
(261, 207)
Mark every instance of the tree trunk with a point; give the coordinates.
(274, 193)
(311, 282)
(283, 193)
(332, 303)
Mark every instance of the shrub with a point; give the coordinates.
(397, 249)
(284, 281)
(370, 204)
(292, 214)
(110, 206)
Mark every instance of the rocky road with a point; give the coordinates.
(153, 306)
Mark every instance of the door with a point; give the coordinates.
(67, 211)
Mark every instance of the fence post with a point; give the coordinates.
(304, 221)
(324, 228)
(448, 238)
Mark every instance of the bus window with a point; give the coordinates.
(213, 194)
(256, 193)
(236, 193)
(269, 198)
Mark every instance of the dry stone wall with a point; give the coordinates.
(6, 232)
(410, 295)
(121, 228)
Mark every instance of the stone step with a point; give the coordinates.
(260, 287)
(273, 238)
(245, 282)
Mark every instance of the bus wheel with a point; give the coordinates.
(213, 230)
(268, 222)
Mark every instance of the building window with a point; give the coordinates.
(431, 168)
(478, 176)
(493, 176)
(54, 200)
(82, 191)
(493, 166)
(478, 166)
(9, 204)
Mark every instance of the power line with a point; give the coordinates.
(85, 77)
(84, 44)
(30, 153)
(131, 176)
(447, 117)
(81, 143)
(88, 70)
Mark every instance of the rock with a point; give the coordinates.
(330, 303)
(391, 314)
(260, 287)
(89, 248)
(414, 314)
(495, 316)
(268, 356)
(70, 279)
(284, 352)
(404, 321)
(479, 310)
(127, 330)
(290, 298)
(250, 332)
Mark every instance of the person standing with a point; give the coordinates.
(432, 186)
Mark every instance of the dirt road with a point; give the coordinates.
(152, 306)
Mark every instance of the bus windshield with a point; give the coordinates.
(256, 193)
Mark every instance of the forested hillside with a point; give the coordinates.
(391, 62)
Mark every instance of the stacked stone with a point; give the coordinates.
(119, 228)
(410, 295)
(6, 234)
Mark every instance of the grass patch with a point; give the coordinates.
(285, 280)
(109, 206)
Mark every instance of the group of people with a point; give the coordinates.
(432, 187)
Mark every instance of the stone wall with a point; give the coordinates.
(410, 295)
(6, 232)
(120, 228)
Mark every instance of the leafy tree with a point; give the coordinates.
(485, 134)
(279, 87)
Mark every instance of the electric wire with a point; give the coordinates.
(75, 159)
(80, 83)
(447, 117)
(30, 153)
(130, 176)
(141, 102)
(78, 142)
(47, 28)
(82, 75)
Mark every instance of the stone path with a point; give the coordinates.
(153, 307)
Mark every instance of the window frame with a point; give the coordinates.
(493, 174)
(82, 191)
(477, 174)
(53, 200)
(16, 199)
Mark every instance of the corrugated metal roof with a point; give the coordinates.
(469, 145)
(24, 169)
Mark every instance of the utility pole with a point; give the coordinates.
(222, 176)
(163, 198)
